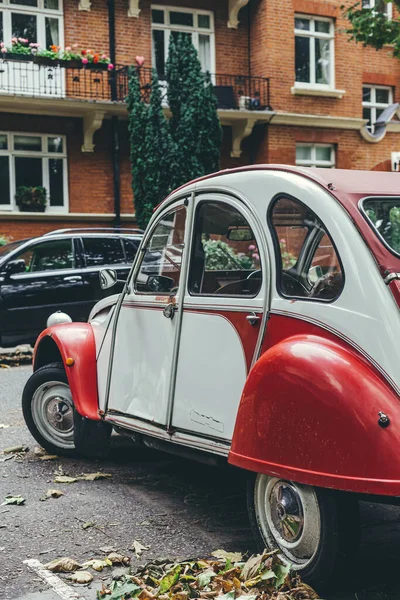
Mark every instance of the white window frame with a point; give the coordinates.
(195, 31)
(45, 155)
(317, 35)
(373, 105)
(313, 162)
(6, 7)
(388, 11)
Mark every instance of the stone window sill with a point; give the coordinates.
(313, 91)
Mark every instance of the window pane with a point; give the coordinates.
(24, 2)
(51, 4)
(24, 26)
(52, 36)
(205, 52)
(55, 144)
(3, 142)
(1, 27)
(378, 112)
(367, 114)
(302, 24)
(131, 247)
(103, 251)
(322, 61)
(159, 52)
(56, 177)
(302, 50)
(28, 171)
(366, 91)
(366, 3)
(27, 142)
(384, 217)
(322, 26)
(323, 153)
(157, 16)
(318, 275)
(303, 152)
(5, 180)
(204, 21)
(382, 96)
(181, 18)
(161, 264)
(225, 260)
(50, 256)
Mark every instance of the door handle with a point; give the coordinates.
(253, 319)
(170, 310)
(73, 278)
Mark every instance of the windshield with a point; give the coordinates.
(7, 248)
(384, 215)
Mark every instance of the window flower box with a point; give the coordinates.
(71, 64)
(17, 56)
(97, 66)
(28, 208)
(45, 60)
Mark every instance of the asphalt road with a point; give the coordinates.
(175, 507)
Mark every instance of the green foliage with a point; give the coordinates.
(4, 240)
(165, 155)
(32, 197)
(220, 256)
(394, 218)
(371, 27)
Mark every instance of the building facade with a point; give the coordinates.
(291, 88)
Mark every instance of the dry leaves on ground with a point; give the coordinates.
(4, 426)
(84, 477)
(15, 359)
(81, 577)
(228, 577)
(52, 494)
(138, 548)
(63, 565)
(18, 500)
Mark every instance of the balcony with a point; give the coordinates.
(86, 92)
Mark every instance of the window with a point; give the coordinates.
(307, 263)
(375, 99)
(160, 269)
(39, 21)
(103, 251)
(314, 51)
(384, 216)
(315, 155)
(131, 247)
(225, 259)
(379, 6)
(48, 256)
(33, 160)
(199, 25)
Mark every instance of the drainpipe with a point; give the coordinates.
(114, 119)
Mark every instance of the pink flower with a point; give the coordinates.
(256, 256)
(23, 40)
(104, 57)
(283, 242)
(68, 49)
(110, 67)
(14, 40)
(74, 45)
(3, 49)
(1, 44)
(252, 247)
(85, 61)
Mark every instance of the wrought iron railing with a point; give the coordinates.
(62, 80)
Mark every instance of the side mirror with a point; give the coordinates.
(15, 266)
(160, 284)
(314, 274)
(108, 278)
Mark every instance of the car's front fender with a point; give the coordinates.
(73, 344)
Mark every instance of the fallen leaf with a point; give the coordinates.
(52, 494)
(88, 525)
(94, 476)
(204, 578)
(63, 565)
(281, 572)
(170, 579)
(232, 556)
(65, 479)
(97, 565)
(118, 559)
(138, 548)
(48, 457)
(13, 500)
(81, 577)
(15, 449)
(3, 426)
(127, 588)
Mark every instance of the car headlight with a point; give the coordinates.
(58, 318)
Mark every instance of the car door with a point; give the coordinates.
(50, 282)
(145, 336)
(222, 321)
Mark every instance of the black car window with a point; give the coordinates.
(131, 247)
(103, 251)
(48, 256)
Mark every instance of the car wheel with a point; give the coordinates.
(51, 417)
(314, 530)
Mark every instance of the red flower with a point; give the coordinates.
(96, 58)
(83, 52)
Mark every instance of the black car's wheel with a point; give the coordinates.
(315, 530)
(51, 418)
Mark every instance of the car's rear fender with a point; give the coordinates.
(73, 344)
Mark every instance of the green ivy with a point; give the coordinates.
(371, 27)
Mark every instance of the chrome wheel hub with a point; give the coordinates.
(52, 413)
(289, 519)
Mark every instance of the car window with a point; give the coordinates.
(384, 216)
(225, 258)
(131, 247)
(308, 265)
(160, 269)
(48, 256)
(103, 251)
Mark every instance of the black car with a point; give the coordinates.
(58, 271)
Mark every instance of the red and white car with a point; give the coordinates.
(259, 324)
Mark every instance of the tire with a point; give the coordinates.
(50, 415)
(315, 530)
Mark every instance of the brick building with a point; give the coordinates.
(290, 86)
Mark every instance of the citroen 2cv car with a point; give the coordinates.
(260, 323)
